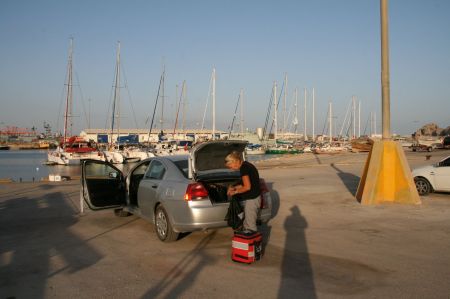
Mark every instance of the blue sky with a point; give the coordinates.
(331, 46)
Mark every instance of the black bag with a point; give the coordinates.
(235, 214)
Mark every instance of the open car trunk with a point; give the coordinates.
(207, 166)
(217, 189)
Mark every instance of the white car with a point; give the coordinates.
(432, 178)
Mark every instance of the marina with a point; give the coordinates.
(30, 166)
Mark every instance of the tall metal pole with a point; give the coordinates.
(331, 122)
(184, 97)
(354, 117)
(89, 115)
(385, 85)
(242, 112)
(214, 104)
(284, 102)
(116, 93)
(304, 133)
(296, 111)
(68, 110)
(359, 118)
(275, 107)
(313, 116)
(161, 120)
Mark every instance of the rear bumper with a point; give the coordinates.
(202, 215)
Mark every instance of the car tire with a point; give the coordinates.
(121, 213)
(163, 226)
(423, 186)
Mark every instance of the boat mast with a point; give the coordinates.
(305, 137)
(116, 93)
(354, 116)
(184, 94)
(359, 118)
(331, 121)
(214, 104)
(69, 95)
(296, 111)
(275, 109)
(284, 103)
(313, 116)
(242, 112)
(161, 120)
(178, 107)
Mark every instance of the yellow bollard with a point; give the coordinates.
(387, 177)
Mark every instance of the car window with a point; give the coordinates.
(156, 171)
(446, 162)
(183, 166)
(100, 171)
(141, 169)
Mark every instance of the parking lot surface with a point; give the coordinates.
(321, 243)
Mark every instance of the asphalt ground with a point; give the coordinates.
(321, 243)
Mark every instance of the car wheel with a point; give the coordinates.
(423, 186)
(163, 227)
(121, 213)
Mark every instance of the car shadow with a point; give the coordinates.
(182, 235)
(350, 180)
(297, 279)
(36, 229)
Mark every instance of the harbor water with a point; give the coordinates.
(29, 166)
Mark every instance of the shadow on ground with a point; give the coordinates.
(296, 272)
(36, 243)
(171, 286)
(350, 180)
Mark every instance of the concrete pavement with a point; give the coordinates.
(321, 243)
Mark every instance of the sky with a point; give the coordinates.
(331, 46)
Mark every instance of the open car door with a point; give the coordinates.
(103, 185)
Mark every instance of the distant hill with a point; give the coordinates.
(432, 130)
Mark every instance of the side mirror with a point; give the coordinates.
(113, 175)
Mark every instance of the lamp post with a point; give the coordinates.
(385, 85)
(386, 177)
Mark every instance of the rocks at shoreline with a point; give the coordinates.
(432, 129)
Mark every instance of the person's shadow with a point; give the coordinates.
(297, 279)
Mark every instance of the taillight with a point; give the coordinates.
(264, 189)
(195, 191)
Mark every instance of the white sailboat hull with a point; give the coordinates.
(60, 157)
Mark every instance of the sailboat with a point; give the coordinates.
(71, 150)
(280, 147)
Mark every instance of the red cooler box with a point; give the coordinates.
(246, 248)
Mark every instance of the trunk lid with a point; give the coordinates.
(209, 157)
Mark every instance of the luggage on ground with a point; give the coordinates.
(246, 247)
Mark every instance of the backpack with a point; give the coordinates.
(235, 214)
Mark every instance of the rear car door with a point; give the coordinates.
(103, 185)
(149, 188)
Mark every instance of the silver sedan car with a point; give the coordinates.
(180, 193)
